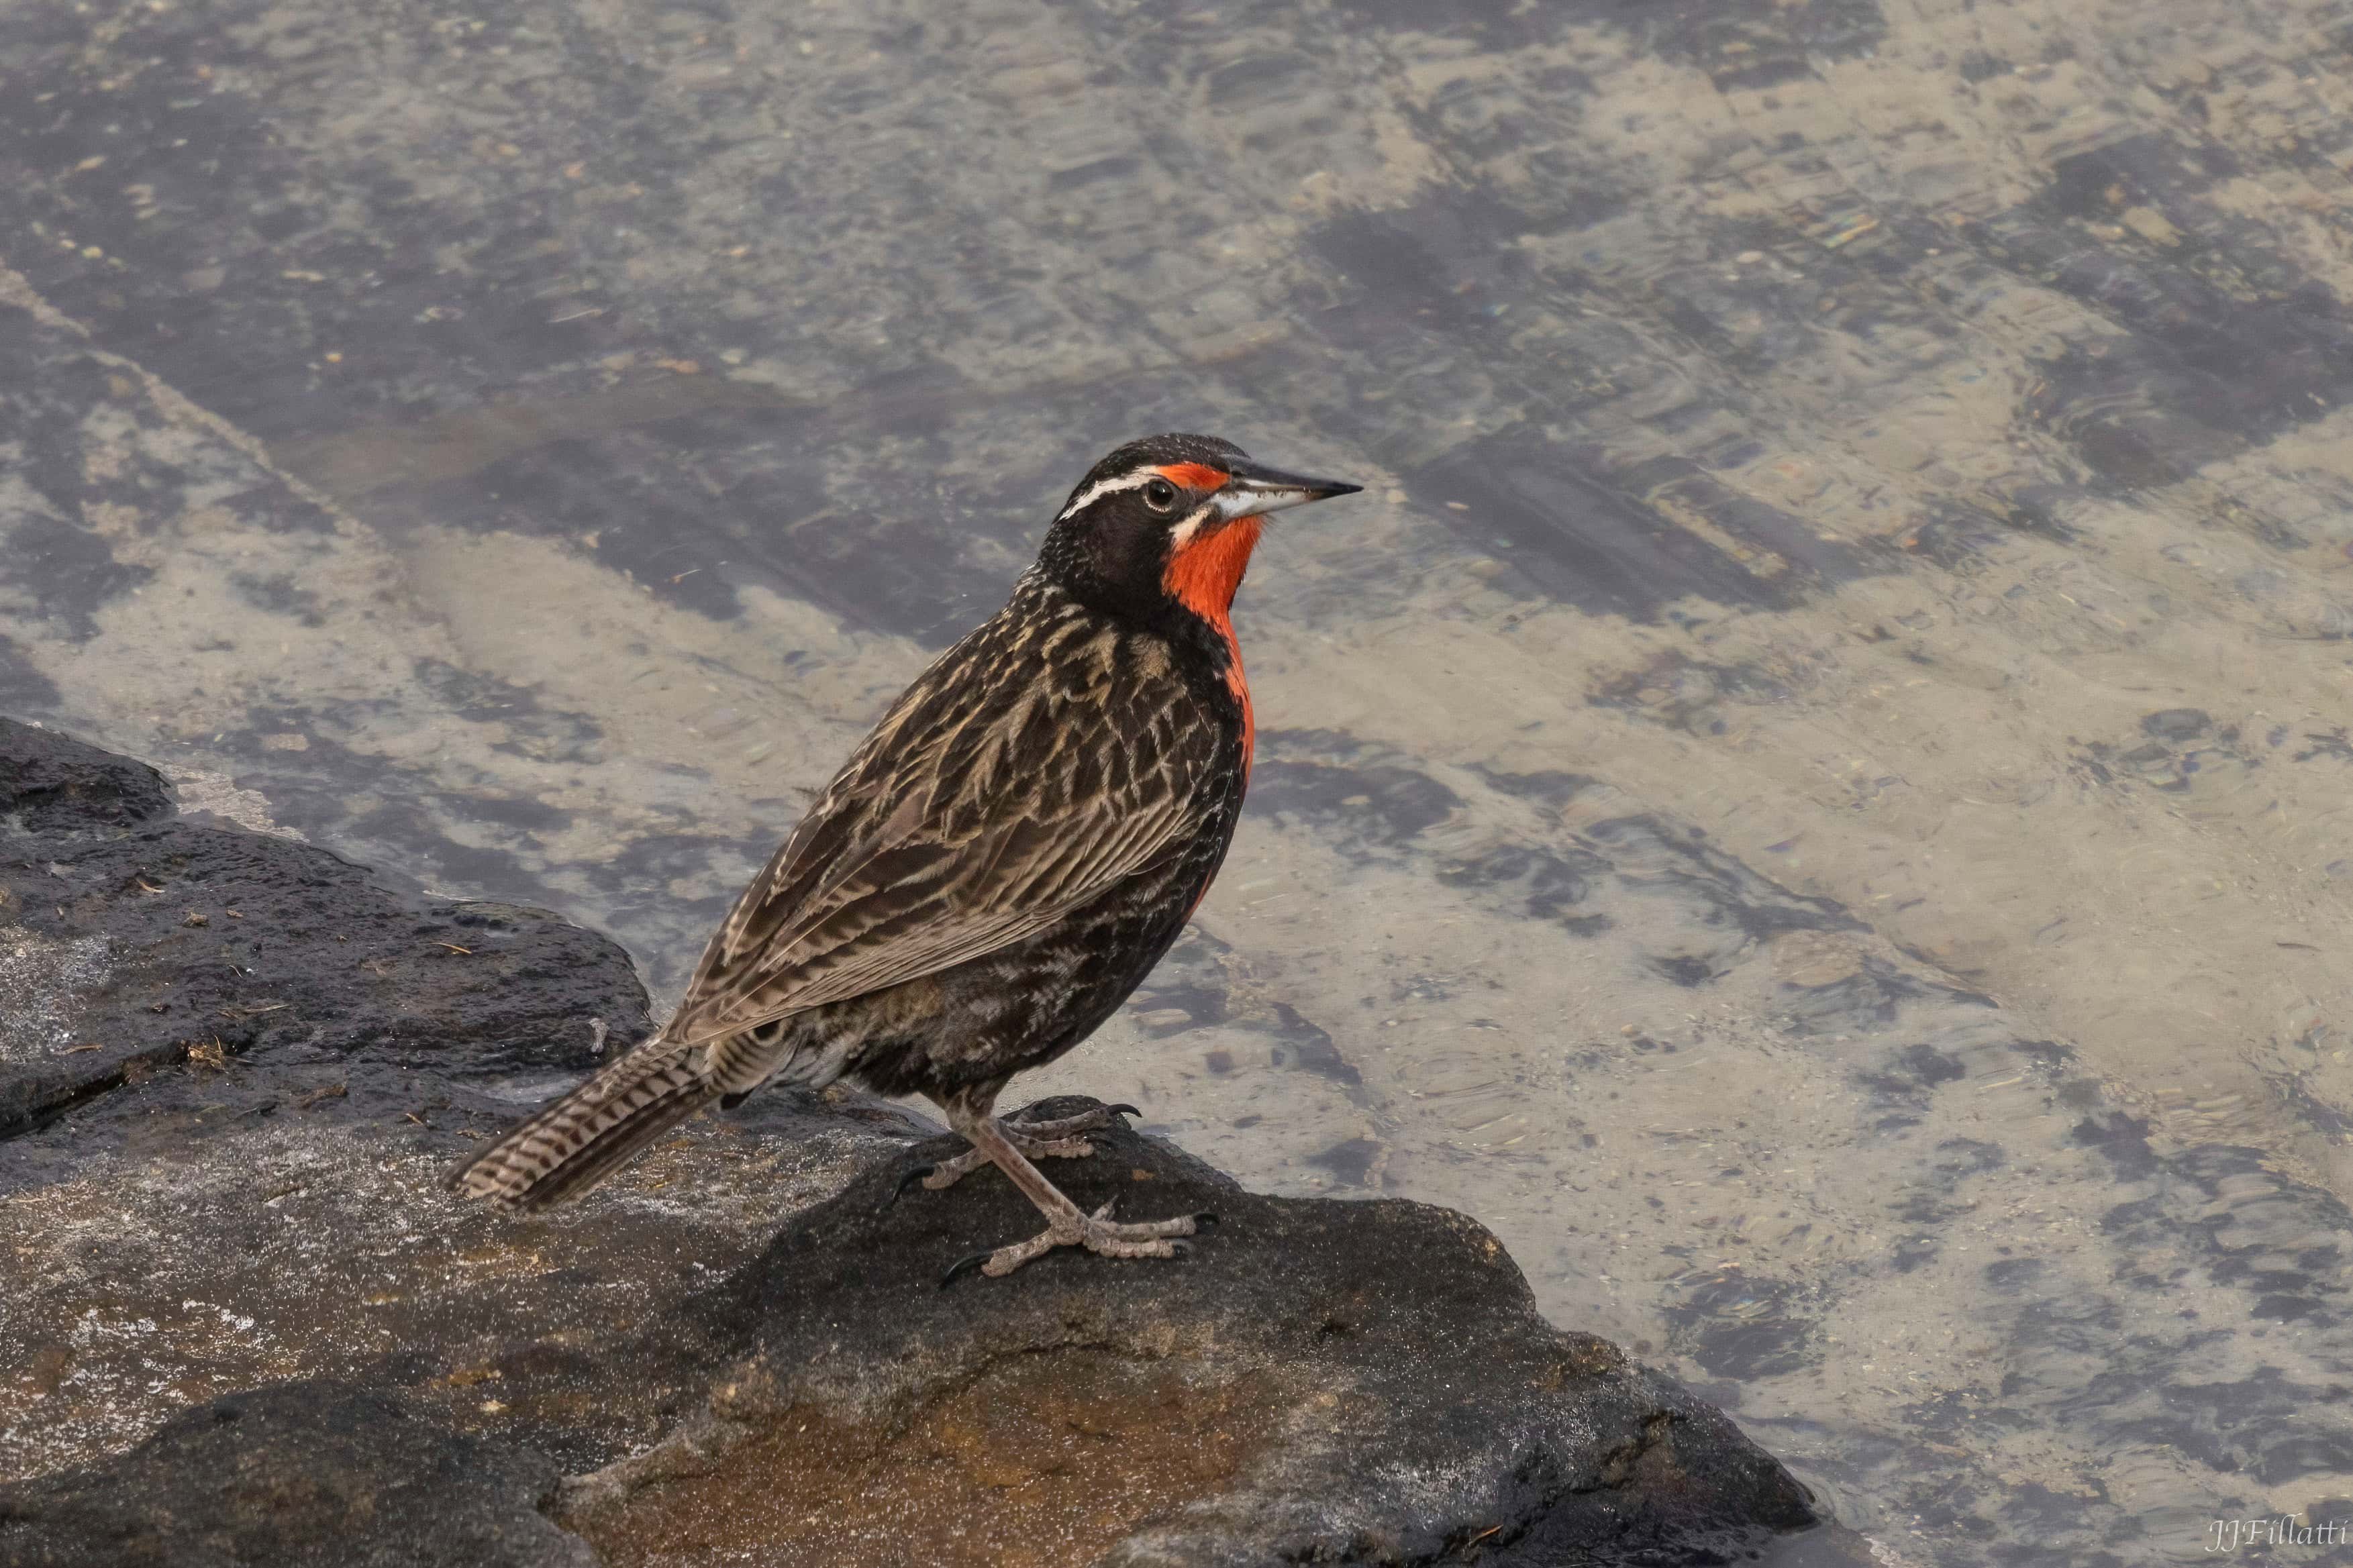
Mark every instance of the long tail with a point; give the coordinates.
(582, 1138)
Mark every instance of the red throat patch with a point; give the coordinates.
(1202, 577)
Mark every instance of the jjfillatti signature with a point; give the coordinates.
(2229, 1534)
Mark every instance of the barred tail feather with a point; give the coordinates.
(582, 1138)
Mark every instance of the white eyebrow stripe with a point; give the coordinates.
(1096, 491)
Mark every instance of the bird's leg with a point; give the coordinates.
(1067, 1224)
(1063, 1139)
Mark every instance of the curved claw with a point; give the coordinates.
(964, 1265)
(1180, 1248)
(1205, 1220)
(1122, 1111)
(909, 1180)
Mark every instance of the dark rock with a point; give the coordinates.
(240, 1187)
(165, 941)
(54, 784)
(1320, 1381)
(305, 1474)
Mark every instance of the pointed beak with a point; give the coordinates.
(1253, 491)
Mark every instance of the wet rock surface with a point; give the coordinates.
(246, 1325)
(1318, 1381)
(301, 1474)
(138, 940)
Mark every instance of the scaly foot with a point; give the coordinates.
(1067, 1224)
(1097, 1233)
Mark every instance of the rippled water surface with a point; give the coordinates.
(1811, 793)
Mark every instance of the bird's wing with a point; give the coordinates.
(994, 799)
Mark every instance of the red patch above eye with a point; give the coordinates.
(1193, 476)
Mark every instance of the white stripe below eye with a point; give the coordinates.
(1096, 491)
(1182, 534)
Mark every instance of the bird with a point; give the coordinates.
(995, 869)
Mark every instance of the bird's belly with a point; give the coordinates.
(1024, 1005)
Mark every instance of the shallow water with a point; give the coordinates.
(1810, 794)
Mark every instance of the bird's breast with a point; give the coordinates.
(1203, 577)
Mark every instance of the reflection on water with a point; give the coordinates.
(1810, 794)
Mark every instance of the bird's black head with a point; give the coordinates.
(1161, 529)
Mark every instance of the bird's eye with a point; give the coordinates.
(1160, 495)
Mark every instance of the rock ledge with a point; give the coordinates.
(1321, 1382)
(661, 1376)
